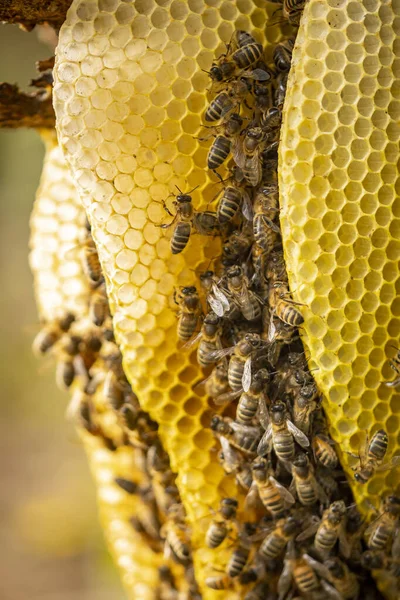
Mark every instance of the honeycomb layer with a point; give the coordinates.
(60, 285)
(339, 185)
(56, 222)
(129, 95)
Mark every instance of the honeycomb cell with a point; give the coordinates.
(361, 167)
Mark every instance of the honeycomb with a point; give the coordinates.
(129, 95)
(57, 220)
(339, 180)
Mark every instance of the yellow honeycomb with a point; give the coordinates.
(339, 181)
(129, 95)
(57, 220)
(56, 224)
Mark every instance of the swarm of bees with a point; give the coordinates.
(293, 530)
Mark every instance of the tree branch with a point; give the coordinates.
(18, 109)
(28, 13)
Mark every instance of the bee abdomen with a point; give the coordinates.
(252, 310)
(247, 55)
(272, 547)
(229, 205)
(218, 152)
(216, 534)
(204, 355)
(180, 237)
(237, 562)
(214, 111)
(235, 373)
(186, 326)
(379, 539)
(306, 579)
(246, 409)
(272, 501)
(289, 314)
(284, 446)
(263, 235)
(325, 539)
(379, 445)
(306, 494)
(177, 541)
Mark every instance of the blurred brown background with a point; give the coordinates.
(51, 545)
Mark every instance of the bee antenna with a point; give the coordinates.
(195, 188)
(179, 190)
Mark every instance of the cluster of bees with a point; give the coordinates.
(297, 532)
(89, 362)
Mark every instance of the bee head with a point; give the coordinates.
(189, 290)
(372, 560)
(336, 568)
(216, 73)
(206, 275)
(183, 198)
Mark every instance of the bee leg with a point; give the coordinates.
(218, 175)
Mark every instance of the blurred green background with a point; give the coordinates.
(51, 545)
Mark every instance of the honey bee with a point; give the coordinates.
(209, 340)
(238, 288)
(276, 267)
(51, 332)
(283, 306)
(175, 534)
(99, 309)
(282, 433)
(233, 434)
(116, 387)
(292, 10)
(329, 530)
(188, 301)
(217, 384)
(204, 222)
(275, 543)
(129, 486)
(395, 365)
(218, 529)
(274, 496)
(255, 400)
(381, 531)
(265, 210)
(324, 452)
(239, 369)
(166, 589)
(90, 261)
(233, 198)
(355, 527)
(299, 571)
(227, 100)
(372, 457)
(65, 371)
(247, 154)
(241, 554)
(305, 403)
(304, 482)
(234, 62)
(282, 55)
(343, 580)
(374, 560)
(280, 91)
(216, 298)
(218, 582)
(221, 146)
(236, 248)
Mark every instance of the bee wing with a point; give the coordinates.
(317, 566)
(252, 497)
(271, 224)
(283, 492)
(215, 305)
(257, 75)
(394, 383)
(230, 456)
(262, 413)
(221, 298)
(344, 545)
(265, 442)
(298, 435)
(192, 342)
(330, 591)
(271, 329)
(246, 378)
(309, 531)
(226, 398)
(218, 354)
(285, 580)
(237, 152)
(393, 462)
(247, 207)
(396, 545)
(246, 429)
